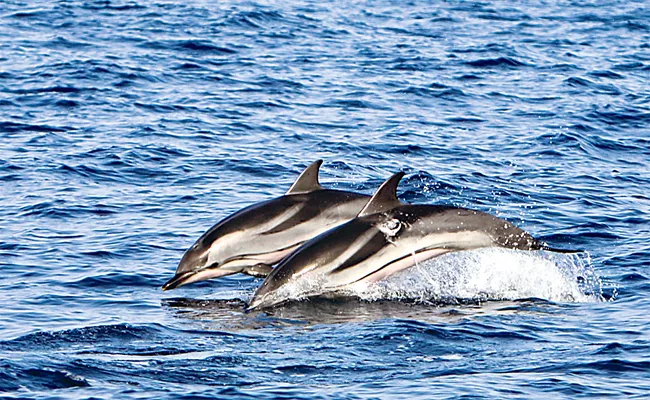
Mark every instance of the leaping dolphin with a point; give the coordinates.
(386, 237)
(255, 238)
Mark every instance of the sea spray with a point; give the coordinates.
(471, 276)
(491, 274)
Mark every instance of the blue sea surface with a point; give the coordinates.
(130, 127)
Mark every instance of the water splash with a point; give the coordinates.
(470, 276)
(492, 274)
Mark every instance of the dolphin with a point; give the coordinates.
(388, 236)
(255, 238)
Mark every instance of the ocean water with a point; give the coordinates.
(128, 128)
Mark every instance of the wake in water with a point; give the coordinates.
(492, 274)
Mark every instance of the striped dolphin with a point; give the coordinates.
(386, 237)
(255, 238)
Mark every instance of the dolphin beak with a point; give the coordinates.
(184, 278)
(177, 281)
(263, 298)
(192, 263)
(258, 303)
(254, 304)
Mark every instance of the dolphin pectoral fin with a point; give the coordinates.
(258, 270)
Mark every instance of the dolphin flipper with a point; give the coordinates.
(258, 270)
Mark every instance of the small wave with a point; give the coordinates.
(603, 366)
(414, 64)
(30, 14)
(263, 104)
(494, 48)
(606, 74)
(422, 32)
(13, 127)
(501, 62)
(465, 120)
(560, 67)
(108, 5)
(350, 104)
(108, 173)
(634, 277)
(577, 82)
(629, 66)
(633, 26)
(271, 85)
(397, 148)
(435, 91)
(52, 89)
(40, 379)
(500, 15)
(469, 77)
(66, 103)
(621, 348)
(89, 334)
(166, 108)
(194, 46)
(253, 19)
(112, 280)
(61, 43)
(623, 118)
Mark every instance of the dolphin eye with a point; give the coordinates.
(391, 227)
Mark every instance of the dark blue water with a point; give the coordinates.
(130, 127)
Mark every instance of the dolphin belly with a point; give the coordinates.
(403, 263)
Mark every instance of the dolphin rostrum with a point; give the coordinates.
(387, 237)
(255, 238)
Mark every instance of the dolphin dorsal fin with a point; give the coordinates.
(308, 180)
(384, 198)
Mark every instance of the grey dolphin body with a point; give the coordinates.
(387, 237)
(253, 239)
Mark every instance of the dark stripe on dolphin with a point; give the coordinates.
(449, 250)
(248, 256)
(377, 241)
(303, 215)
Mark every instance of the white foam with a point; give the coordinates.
(492, 274)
